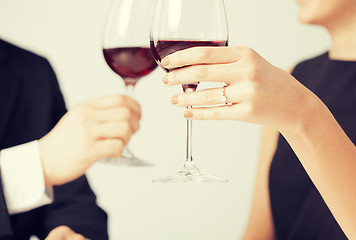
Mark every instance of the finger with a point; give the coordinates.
(117, 114)
(203, 55)
(206, 97)
(120, 129)
(226, 112)
(202, 73)
(115, 101)
(108, 148)
(120, 122)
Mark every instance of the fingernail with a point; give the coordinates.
(174, 100)
(188, 114)
(165, 79)
(165, 62)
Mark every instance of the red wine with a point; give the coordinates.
(131, 63)
(162, 48)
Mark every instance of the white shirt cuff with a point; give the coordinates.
(22, 178)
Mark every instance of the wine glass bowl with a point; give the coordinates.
(131, 63)
(162, 48)
(182, 24)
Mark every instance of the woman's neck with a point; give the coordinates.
(343, 36)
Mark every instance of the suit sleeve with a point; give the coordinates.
(74, 203)
(75, 207)
(8, 92)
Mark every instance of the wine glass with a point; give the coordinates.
(182, 24)
(126, 50)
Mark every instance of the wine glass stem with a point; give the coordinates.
(130, 90)
(189, 158)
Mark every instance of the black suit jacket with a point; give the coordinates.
(30, 105)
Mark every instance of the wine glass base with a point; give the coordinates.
(189, 173)
(126, 161)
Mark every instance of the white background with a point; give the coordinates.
(68, 33)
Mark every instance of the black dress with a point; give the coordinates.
(298, 210)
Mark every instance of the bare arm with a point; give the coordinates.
(329, 157)
(260, 224)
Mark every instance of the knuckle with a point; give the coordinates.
(78, 237)
(139, 115)
(216, 115)
(235, 50)
(252, 73)
(185, 100)
(90, 135)
(84, 119)
(136, 126)
(209, 97)
(87, 125)
(206, 54)
(249, 52)
(176, 57)
(249, 92)
(203, 115)
(201, 72)
(115, 148)
(119, 100)
(172, 77)
(127, 113)
(126, 128)
(63, 227)
(199, 115)
(250, 109)
(118, 147)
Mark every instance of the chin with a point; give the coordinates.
(313, 11)
(312, 15)
(324, 12)
(307, 19)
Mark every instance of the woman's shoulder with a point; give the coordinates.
(312, 62)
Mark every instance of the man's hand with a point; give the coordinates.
(92, 130)
(64, 233)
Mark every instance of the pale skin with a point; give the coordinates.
(64, 233)
(264, 94)
(92, 130)
(260, 224)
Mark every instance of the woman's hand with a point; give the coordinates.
(258, 91)
(92, 130)
(64, 233)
